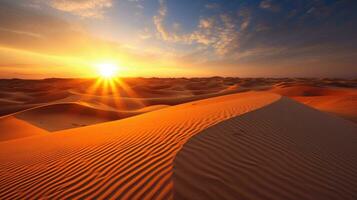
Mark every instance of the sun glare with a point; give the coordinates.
(107, 70)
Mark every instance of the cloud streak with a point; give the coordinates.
(82, 8)
(269, 5)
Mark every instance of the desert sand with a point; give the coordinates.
(84, 102)
(200, 138)
(284, 150)
(338, 101)
(127, 159)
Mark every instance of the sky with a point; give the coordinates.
(176, 38)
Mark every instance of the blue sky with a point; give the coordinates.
(311, 38)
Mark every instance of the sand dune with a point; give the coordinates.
(282, 151)
(13, 128)
(306, 90)
(335, 96)
(75, 103)
(56, 117)
(61, 116)
(339, 101)
(251, 145)
(127, 159)
(339, 105)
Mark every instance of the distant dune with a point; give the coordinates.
(62, 116)
(339, 101)
(335, 96)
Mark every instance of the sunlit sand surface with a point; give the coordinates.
(202, 138)
(282, 151)
(128, 159)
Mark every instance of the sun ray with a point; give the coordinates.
(114, 91)
(131, 93)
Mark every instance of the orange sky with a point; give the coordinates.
(68, 38)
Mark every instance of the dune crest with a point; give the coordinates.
(338, 101)
(61, 116)
(127, 159)
(283, 151)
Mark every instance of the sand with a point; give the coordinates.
(198, 138)
(338, 101)
(13, 128)
(60, 104)
(55, 117)
(127, 159)
(282, 151)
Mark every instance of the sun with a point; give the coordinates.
(107, 70)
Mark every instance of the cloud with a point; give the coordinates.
(36, 39)
(25, 33)
(245, 16)
(159, 21)
(246, 35)
(269, 5)
(145, 34)
(82, 8)
(218, 32)
(212, 6)
(26, 28)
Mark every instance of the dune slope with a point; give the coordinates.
(127, 159)
(283, 151)
(338, 101)
(61, 116)
(12, 128)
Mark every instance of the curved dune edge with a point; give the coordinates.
(127, 159)
(61, 116)
(338, 101)
(283, 151)
(13, 128)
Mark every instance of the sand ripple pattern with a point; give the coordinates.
(282, 151)
(127, 159)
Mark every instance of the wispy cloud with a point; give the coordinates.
(269, 5)
(216, 32)
(82, 8)
(159, 21)
(26, 33)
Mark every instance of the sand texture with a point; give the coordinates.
(127, 159)
(282, 151)
(60, 104)
(178, 138)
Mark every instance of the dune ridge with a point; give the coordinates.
(338, 101)
(127, 159)
(133, 96)
(282, 151)
(61, 116)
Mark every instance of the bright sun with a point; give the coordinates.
(107, 70)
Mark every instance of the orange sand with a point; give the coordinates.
(127, 159)
(282, 151)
